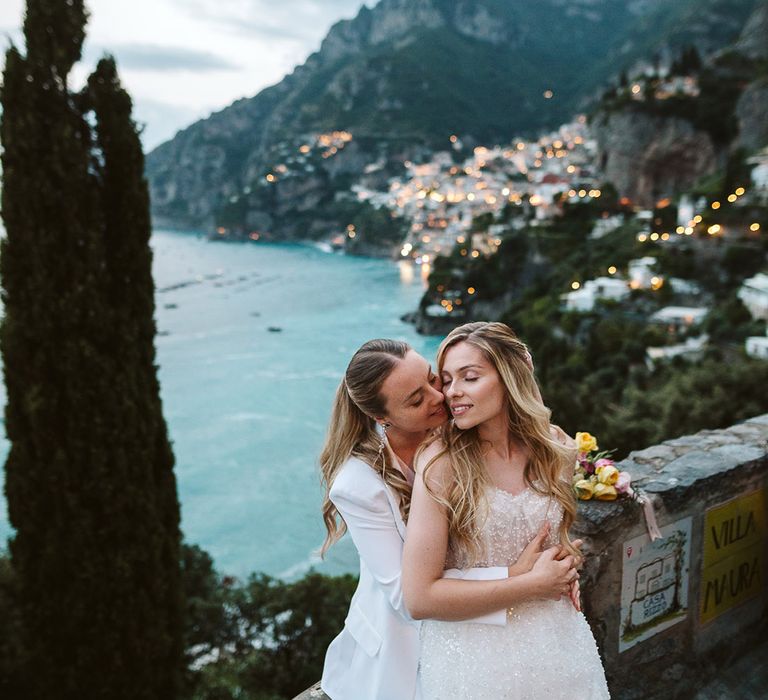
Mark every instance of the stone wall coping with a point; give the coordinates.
(673, 466)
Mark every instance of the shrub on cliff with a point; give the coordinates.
(263, 639)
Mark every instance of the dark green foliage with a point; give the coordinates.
(683, 399)
(301, 619)
(374, 227)
(208, 623)
(596, 380)
(501, 271)
(482, 222)
(10, 652)
(730, 321)
(688, 62)
(89, 476)
(263, 639)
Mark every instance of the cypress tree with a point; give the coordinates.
(89, 477)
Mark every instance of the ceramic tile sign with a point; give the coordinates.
(733, 566)
(654, 583)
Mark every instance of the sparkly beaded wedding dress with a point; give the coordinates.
(546, 650)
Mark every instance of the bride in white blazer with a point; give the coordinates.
(388, 402)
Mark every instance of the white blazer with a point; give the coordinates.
(376, 655)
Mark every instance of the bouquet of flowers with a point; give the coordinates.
(595, 474)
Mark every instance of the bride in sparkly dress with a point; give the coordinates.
(498, 472)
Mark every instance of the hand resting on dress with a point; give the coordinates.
(533, 551)
(552, 578)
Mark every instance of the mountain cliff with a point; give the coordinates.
(680, 128)
(405, 75)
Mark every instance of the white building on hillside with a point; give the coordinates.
(754, 294)
(606, 225)
(680, 317)
(760, 169)
(681, 286)
(641, 272)
(757, 346)
(691, 348)
(584, 299)
(685, 210)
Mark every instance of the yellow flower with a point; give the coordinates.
(584, 489)
(604, 492)
(586, 442)
(607, 475)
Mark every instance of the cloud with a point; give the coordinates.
(11, 35)
(156, 58)
(304, 21)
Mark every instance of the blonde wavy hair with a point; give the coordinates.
(352, 430)
(549, 465)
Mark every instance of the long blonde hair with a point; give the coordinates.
(352, 429)
(549, 462)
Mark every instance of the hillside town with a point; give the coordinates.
(468, 205)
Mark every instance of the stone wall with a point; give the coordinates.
(709, 492)
(671, 617)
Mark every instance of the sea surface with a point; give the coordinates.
(247, 407)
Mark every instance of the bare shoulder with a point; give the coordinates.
(434, 466)
(433, 453)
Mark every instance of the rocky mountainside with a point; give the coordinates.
(752, 107)
(679, 129)
(405, 75)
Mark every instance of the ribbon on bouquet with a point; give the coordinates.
(648, 512)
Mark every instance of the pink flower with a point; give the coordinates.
(604, 462)
(622, 484)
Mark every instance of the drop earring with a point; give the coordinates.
(383, 439)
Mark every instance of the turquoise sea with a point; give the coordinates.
(247, 407)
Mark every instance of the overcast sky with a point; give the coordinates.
(183, 59)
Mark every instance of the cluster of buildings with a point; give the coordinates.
(517, 184)
(468, 204)
(692, 214)
(299, 160)
(663, 88)
(524, 184)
